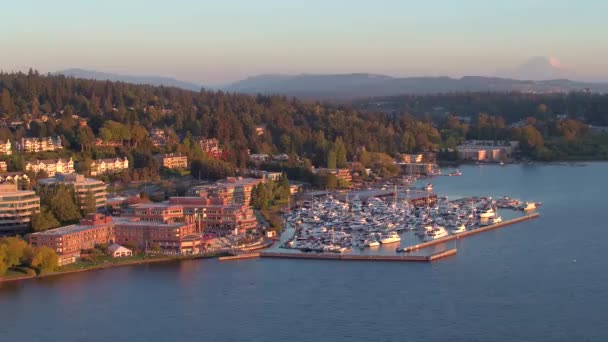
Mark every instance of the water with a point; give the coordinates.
(541, 280)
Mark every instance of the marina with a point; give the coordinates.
(391, 225)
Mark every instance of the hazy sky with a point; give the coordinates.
(219, 41)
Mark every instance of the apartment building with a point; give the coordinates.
(51, 166)
(81, 185)
(16, 209)
(33, 145)
(109, 165)
(6, 148)
(174, 161)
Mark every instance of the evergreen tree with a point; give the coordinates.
(63, 206)
(44, 220)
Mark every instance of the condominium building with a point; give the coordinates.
(232, 190)
(68, 241)
(6, 148)
(81, 185)
(174, 161)
(16, 209)
(51, 166)
(32, 145)
(214, 217)
(109, 165)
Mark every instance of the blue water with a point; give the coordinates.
(541, 280)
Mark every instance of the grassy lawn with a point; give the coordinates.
(12, 273)
(103, 261)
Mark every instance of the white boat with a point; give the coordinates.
(435, 234)
(528, 206)
(390, 238)
(459, 229)
(428, 187)
(487, 213)
(372, 243)
(496, 220)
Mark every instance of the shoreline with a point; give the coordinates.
(111, 265)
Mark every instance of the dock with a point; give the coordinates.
(471, 232)
(239, 257)
(352, 257)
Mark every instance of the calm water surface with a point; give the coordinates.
(542, 280)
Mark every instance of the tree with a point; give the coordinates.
(3, 262)
(331, 159)
(340, 151)
(14, 250)
(89, 204)
(63, 206)
(43, 259)
(44, 220)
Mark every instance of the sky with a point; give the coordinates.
(217, 42)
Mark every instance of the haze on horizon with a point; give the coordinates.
(211, 42)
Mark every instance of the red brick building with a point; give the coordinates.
(68, 241)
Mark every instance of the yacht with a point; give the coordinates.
(428, 187)
(459, 229)
(372, 243)
(496, 220)
(528, 206)
(435, 234)
(390, 238)
(487, 213)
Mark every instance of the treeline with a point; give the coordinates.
(318, 134)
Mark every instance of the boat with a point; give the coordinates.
(487, 213)
(455, 173)
(428, 187)
(528, 206)
(502, 163)
(371, 243)
(390, 238)
(496, 220)
(459, 229)
(435, 234)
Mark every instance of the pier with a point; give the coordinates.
(239, 257)
(471, 232)
(333, 256)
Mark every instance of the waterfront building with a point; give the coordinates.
(51, 166)
(16, 209)
(219, 218)
(6, 148)
(412, 158)
(3, 166)
(109, 165)
(174, 161)
(175, 237)
(33, 145)
(69, 241)
(81, 185)
(487, 150)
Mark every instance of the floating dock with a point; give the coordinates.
(239, 256)
(470, 232)
(333, 256)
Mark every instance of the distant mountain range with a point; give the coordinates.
(367, 85)
(151, 80)
(538, 74)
